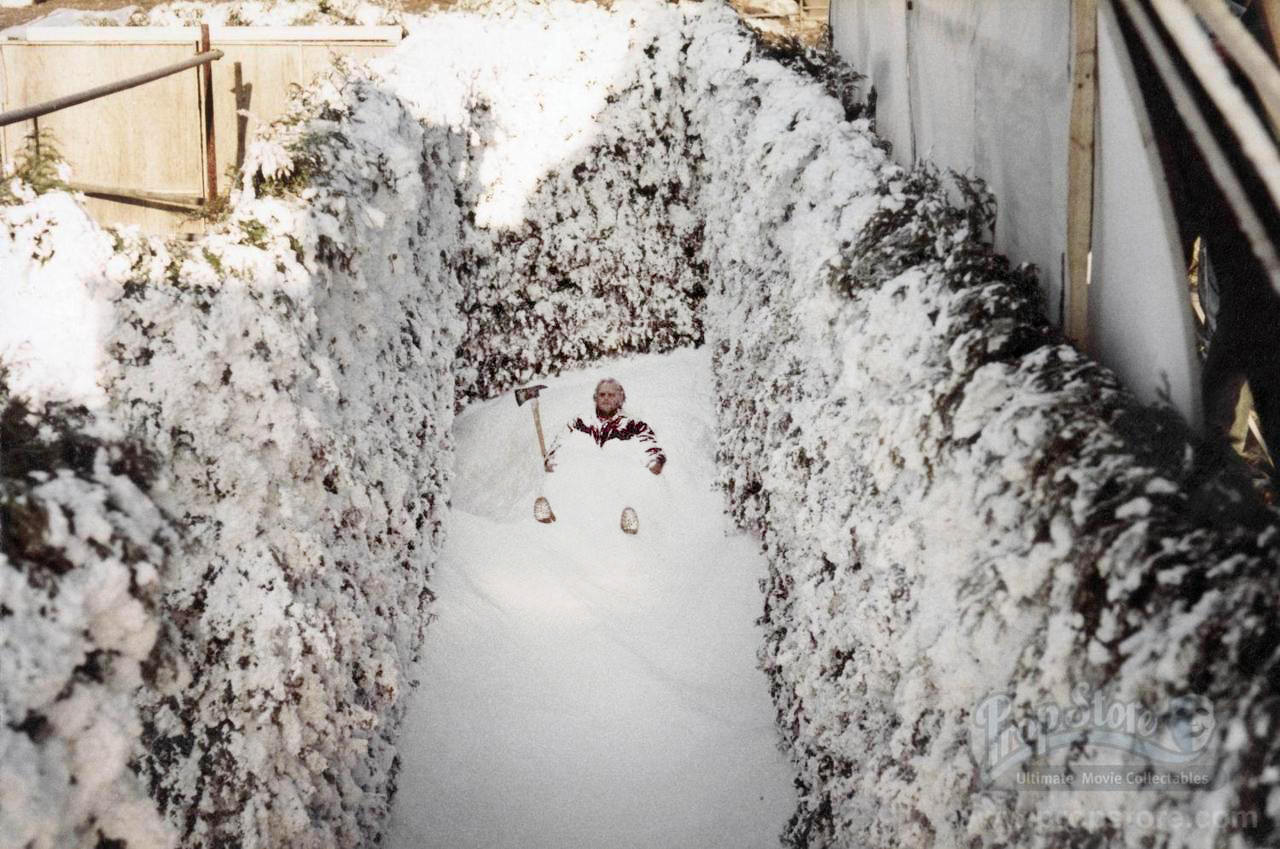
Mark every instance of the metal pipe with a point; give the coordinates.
(28, 112)
(181, 199)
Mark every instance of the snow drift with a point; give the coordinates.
(953, 503)
(582, 687)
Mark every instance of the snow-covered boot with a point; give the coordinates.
(542, 511)
(630, 521)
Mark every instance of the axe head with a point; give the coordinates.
(524, 393)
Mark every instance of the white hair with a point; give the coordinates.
(615, 382)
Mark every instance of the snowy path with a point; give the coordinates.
(581, 688)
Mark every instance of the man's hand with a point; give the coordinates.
(548, 464)
(656, 466)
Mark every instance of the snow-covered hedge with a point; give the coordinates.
(292, 369)
(85, 553)
(955, 504)
(605, 255)
(291, 375)
(294, 13)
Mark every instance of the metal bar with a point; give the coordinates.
(171, 198)
(211, 152)
(28, 112)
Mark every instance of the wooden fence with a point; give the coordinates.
(143, 153)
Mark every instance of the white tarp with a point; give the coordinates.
(984, 87)
(1139, 307)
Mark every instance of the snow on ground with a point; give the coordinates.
(51, 321)
(244, 13)
(455, 60)
(581, 687)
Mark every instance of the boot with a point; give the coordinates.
(630, 521)
(542, 511)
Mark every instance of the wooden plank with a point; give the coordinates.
(35, 110)
(1139, 322)
(144, 139)
(1080, 155)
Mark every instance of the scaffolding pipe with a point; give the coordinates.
(28, 112)
(179, 200)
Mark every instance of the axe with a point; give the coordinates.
(530, 393)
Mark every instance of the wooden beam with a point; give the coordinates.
(1080, 154)
(1215, 158)
(210, 146)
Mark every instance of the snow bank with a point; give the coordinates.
(958, 505)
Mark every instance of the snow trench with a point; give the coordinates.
(953, 503)
(581, 687)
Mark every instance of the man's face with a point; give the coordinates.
(608, 399)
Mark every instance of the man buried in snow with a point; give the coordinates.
(625, 442)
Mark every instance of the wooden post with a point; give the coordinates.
(1080, 154)
(211, 154)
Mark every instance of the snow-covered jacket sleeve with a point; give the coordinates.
(645, 435)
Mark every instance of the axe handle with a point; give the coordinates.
(537, 423)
